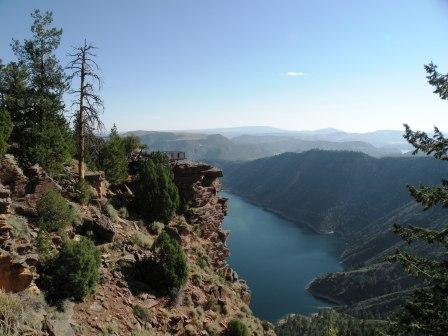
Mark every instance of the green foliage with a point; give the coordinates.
(53, 211)
(157, 227)
(131, 144)
(141, 240)
(84, 192)
(123, 212)
(33, 89)
(327, 323)
(166, 270)
(140, 312)
(343, 192)
(44, 247)
(236, 328)
(48, 143)
(19, 226)
(5, 130)
(156, 195)
(73, 272)
(11, 314)
(426, 311)
(114, 161)
(202, 261)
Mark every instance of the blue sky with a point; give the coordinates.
(177, 64)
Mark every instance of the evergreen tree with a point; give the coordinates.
(73, 273)
(156, 195)
(14, 94)
(113, 159)
(166, 269)
(426, 311)
(33, 89)
(5, 130)
(132, 143)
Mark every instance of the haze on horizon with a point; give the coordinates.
(296, 65)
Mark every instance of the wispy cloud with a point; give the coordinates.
(294, 74)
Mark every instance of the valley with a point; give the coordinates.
(358, 198)
(277, 258)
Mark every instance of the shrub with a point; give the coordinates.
(140, 312)
(85, 192)
(11, 313)
(123, 212)
(44, 247)
(202, 261)
(19, 226)
(112, 213)
(74, 272)
(156, 195)
(157, 227)
(141, 240)
(53, 211)
(166, 270)
(236, 328)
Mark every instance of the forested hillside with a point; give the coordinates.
(357, 197)
(329, 190)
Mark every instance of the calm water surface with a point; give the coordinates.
(277, 258)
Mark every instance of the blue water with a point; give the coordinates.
(277, 258)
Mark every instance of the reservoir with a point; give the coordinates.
(277, 258)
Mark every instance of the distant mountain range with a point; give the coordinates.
(359, 198)
(249, 143)
(377, 138)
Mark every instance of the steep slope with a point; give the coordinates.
(359, 198)
(122, 303)
(329, 190)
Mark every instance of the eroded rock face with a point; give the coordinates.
(98, 181)
(5, 201)
(199, 185)
(11, 175)
(38, 183)
(14, 276)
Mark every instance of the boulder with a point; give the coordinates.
(101, 226)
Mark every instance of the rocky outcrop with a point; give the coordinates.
(14, 276)
(11, 175)
(38, 183)
(98, 181)
(102, 227)
(199, 185)
(5, 201)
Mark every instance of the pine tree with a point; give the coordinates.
(156, 195)
(5, 130)
(113, 159)
(33, 88)
(426, 311)
(89, 104)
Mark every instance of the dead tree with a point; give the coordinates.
(88, 104)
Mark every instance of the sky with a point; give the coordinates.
(293, 64)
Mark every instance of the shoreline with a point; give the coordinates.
(326, 298)
(282, 215)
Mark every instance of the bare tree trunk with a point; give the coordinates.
(88, 103)
(81, 131)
